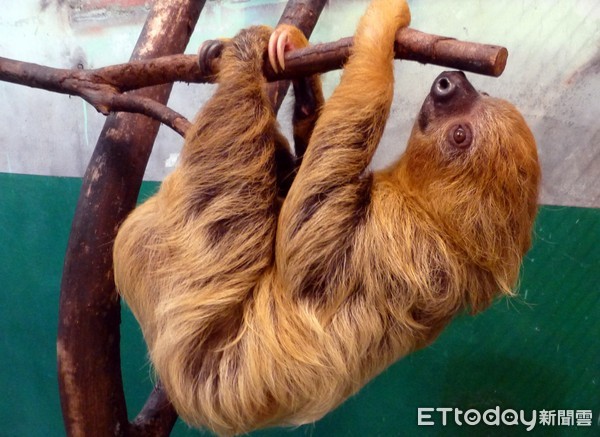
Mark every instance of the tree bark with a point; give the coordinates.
(157, 418)
(89, 371)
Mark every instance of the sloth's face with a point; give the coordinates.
(463, 134)
(451, 97)
(472, 160)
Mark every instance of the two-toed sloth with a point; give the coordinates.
(259, 311)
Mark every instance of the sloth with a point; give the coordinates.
(270, 292)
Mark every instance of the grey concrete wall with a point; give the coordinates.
(552, 76)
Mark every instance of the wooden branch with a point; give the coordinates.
(88, 344)
(103, 87)
(156, 418)
(410, 44)
(426, 48)
(146, 106)
(99, 88)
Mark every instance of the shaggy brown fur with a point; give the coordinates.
(258, 313)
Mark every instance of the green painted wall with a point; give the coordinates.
(538, 351)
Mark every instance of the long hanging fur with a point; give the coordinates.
(258, 313)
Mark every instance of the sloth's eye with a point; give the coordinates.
(460, 136)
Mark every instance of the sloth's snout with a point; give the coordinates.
(451, 95)
(451, 85)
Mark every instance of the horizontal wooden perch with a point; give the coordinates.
(104, 87)
(486, 59)
(410, 45)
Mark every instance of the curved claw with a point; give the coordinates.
(282, 44)
(273, 44)
(208, 51)
(283, 39)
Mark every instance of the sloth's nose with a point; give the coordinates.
(443, 88)
(449, 85)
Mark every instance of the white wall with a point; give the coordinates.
(552, 76)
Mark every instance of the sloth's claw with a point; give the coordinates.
(284, 39)
(207, 52)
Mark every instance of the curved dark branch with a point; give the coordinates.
(156, 418)
(89, 364)
(146, 106)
